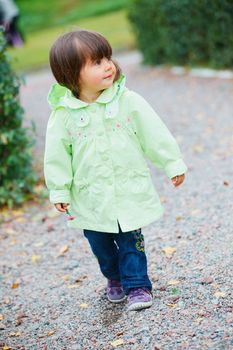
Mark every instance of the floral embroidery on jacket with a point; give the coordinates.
(140, 246)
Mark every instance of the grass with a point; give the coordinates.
(39, 14)
(34, 54)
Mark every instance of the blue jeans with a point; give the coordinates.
(121, 257)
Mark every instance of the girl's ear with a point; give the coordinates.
(118, 70)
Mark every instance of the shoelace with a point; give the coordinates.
(138, 292)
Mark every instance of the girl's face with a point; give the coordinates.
(97, 76)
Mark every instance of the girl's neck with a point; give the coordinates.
(89, 96)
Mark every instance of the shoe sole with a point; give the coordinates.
(117, 300)
(140, 306)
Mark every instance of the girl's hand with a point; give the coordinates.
(177, 180)
(61, 206)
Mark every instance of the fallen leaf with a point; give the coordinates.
(169, 250)
(13, 242)
(20, 219)
(18, 321)
(84, 305)
(198, 148)
(72, 286)
(154, 278)
(196, 212)
(66, 277)
(15, 334)
(38, 217)
(120, 333)
(15, 285)
(225, 183)
(10, 231)
(35, 258)
(220, 294)
(173, 282)
(17, 212)
(78, 280)
(117, 342)
(199, 320)
(207, 280)
(172, 305)
(6, 347)
(179, 217)
(1, 317)
(38, 244)
(50, 333)
(19, 318)
(63, 250)
(163, 199)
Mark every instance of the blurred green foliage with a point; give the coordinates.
(16, 175)
(197, 32)
(37, 14)
(43, 21)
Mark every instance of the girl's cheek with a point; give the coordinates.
(114, 69)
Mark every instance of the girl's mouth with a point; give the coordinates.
(108, 77)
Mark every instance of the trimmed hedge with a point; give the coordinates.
(16, 174)
(192, 32)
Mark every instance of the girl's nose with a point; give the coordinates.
(107, 65)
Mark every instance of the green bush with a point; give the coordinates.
(198, 32)
(37, 14)
(16, 174)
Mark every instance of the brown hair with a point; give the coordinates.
(70, 52)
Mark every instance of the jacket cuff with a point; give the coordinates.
(175, 168)
(59, 196)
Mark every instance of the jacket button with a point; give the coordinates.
(105, 157)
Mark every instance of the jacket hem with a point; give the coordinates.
(135, 225)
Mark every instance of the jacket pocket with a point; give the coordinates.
(78, 125)
(81, 184)
(140, 180)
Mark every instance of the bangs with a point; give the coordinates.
(93, 46)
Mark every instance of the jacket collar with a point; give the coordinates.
(60, 96)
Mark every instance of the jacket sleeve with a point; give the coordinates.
(156, 141)
(58, 159)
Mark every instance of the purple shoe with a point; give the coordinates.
(139, 298)
(115, 292)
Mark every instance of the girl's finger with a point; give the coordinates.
(59, 207)
(180, 180)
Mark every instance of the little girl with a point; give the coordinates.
(98, 136)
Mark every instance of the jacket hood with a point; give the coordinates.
(60, 96)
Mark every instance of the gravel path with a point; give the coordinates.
(52, 293)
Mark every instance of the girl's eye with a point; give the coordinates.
(98, 62)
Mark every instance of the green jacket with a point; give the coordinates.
(95, 158)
